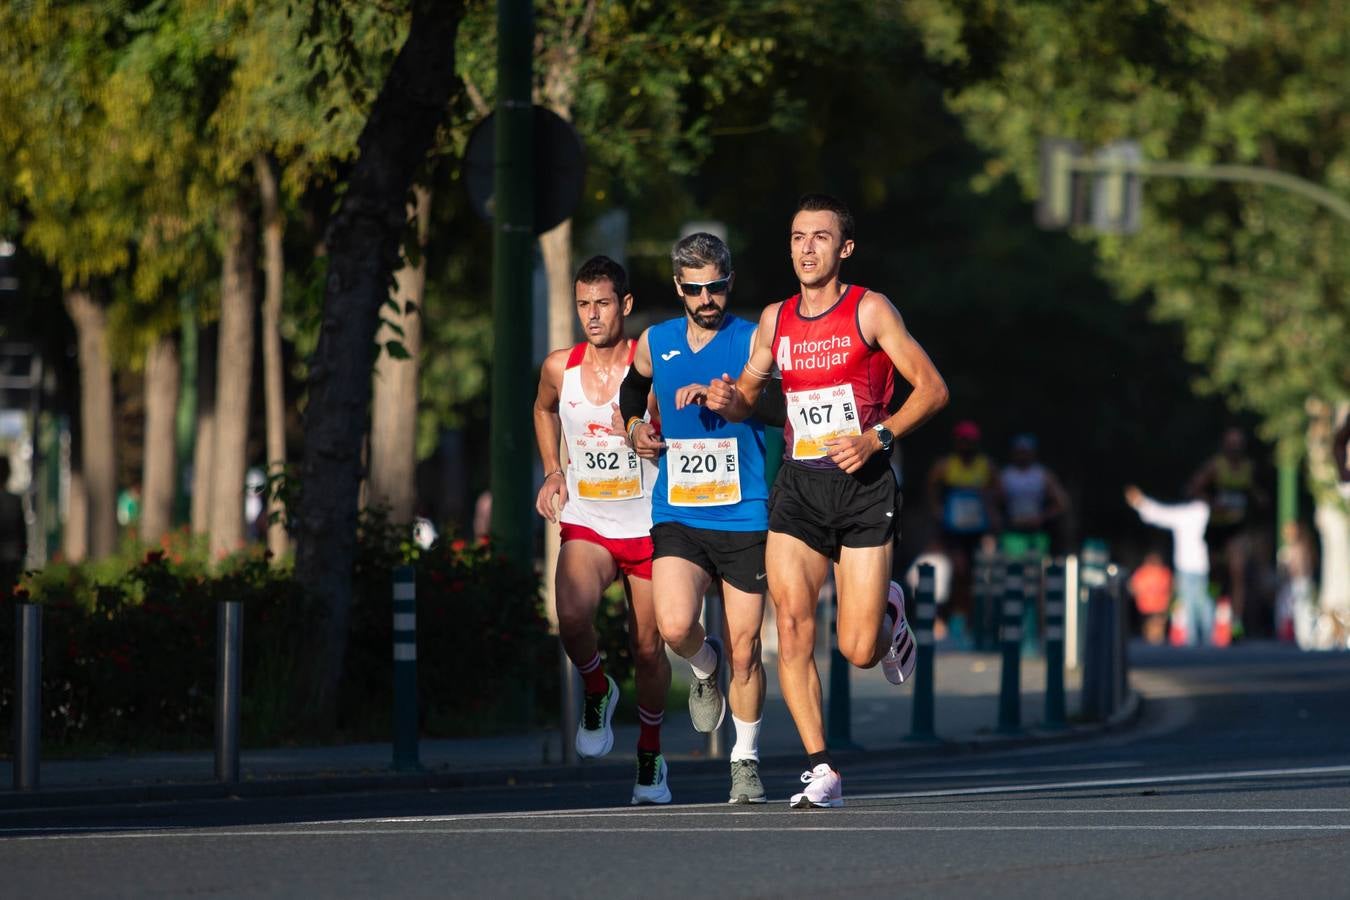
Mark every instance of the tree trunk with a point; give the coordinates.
(393, 410)
(98, 460)
(75, 535)
(234, 379)
(363, 246)
(162, 376)
(204, 447)
(555, 245)
(274, 376)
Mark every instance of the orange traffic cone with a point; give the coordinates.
(1176, 633)
(1223, 622)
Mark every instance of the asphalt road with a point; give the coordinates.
(1235, 783)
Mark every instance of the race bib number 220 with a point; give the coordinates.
(703, 472)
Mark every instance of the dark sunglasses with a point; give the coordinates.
(692, 289)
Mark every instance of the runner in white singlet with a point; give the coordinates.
(603, 500)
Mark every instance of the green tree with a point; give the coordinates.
(1258, 278)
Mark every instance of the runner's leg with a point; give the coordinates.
(862, 577)
(651, 668)
(584, 571)
(745, 617)
(679, 586)
(796, 573)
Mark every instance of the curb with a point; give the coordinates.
(317, 785)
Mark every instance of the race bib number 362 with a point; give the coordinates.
(606, 468)
(821, 415)
(703, 472)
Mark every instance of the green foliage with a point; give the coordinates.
(129, 643)
(1259, 278)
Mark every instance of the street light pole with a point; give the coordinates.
(512, 433)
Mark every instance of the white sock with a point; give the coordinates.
(747, 740)
(704, 662)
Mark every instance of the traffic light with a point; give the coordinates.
(1116, 193)
(1062, 198)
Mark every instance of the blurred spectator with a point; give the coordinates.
(1340, 450)
(961, 497)
(1190, 559)
(1151, 585)
(1227, 482)
(13, 532)
(1031, 498)
(482, 516)
(942, 573)
(1295, 604)
(129, 507)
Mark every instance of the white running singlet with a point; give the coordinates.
(608, 484)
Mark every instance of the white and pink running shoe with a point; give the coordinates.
(898, 663)
(824, 789)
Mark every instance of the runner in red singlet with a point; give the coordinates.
(838, 348)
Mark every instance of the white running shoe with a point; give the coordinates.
(824, 788)
(651, 785)
(898, 663)
(595, 737)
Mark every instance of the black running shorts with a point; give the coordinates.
(827, 508)
(736, 557)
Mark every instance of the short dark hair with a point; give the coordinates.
(819, 202)
(698, 250)
(602, 268)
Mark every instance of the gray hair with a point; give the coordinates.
(698, 250)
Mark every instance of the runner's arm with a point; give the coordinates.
(548, 435)
(740, 401)
(882, 325)
(635, 399)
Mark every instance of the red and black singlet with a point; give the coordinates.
(835, 382)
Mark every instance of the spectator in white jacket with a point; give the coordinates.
(1190, 557)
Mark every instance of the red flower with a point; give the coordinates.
(457, 545)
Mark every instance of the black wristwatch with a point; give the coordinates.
(884, 435)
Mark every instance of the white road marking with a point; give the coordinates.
(658, 830)
(1241, 775)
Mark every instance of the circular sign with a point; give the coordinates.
(559, 168)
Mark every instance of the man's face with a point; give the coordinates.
(817, 246)
(708, 307)
(1234, 444)
(601, 311)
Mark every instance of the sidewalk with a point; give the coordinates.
(966, 687)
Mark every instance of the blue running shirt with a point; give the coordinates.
(711, 473)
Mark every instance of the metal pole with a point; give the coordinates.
(1119, 637)
(1094, 663)
(28, 696)
(405, 669)
(1010, 684)
(839, 712)
(512, 434)
(1055, 706)
(719, 740)
(1073, 647)
(984, 575)
(925, 611)
(570, 684)
(1032, 571)
(229, 645)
